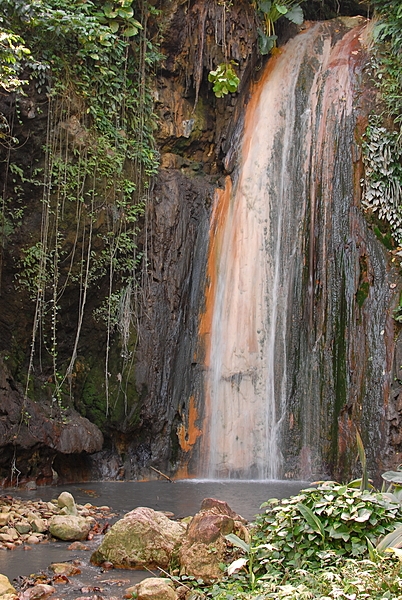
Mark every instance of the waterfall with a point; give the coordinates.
(265, 324)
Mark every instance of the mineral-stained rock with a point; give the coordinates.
(204, 546)
(155, 588)
(202, 560)
(5, 586)
(69, 527)
(144, 537)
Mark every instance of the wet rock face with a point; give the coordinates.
(193, 130)
(32, 435)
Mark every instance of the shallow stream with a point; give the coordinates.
(182, 498)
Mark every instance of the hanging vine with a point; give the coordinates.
(94, 61)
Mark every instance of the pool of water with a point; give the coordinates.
(182, 498)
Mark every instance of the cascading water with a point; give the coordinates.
(265, 324)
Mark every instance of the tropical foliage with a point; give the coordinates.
(329, 541)
(267, 12)
(382, 146)
(87, 66)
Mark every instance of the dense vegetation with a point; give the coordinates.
(323, 543)
(86, 68)
(382, 146)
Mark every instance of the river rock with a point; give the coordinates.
(23, 527)
(67, 569)
(155, 588)
(4, 518)
(69, 527)
(144, 537)
(38, 525)
(66, 503)
(204, 546)
(39, 591)
(6, 587)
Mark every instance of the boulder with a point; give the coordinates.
(204, 546)
(6, 587)
(69, 527)
(144, 537)
(202, 560)
(22, 527)
(66, 503)
(155, 588)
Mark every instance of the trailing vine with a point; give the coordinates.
(93, 60)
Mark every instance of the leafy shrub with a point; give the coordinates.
(382, 185)
(329, 518)
(224, 79)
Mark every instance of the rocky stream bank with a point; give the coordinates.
(142, 539)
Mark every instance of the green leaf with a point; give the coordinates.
(109, 11)
(265, 42)
(130, 31)
(125, 13)
(114, 26)
(340, 532)
(393, 476)
(363, 515)
(312, 519)
(295, 15)
(281, 9)
(236, 541)
(391, 540)
(265, 5)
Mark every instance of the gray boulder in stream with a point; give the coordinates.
(144, 537)
(69, 527)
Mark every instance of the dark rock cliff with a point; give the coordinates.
(155, 422)
(194, 134)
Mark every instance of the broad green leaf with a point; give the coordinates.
(265, 42)
(363, 515)
(295, 15)
(312, 519)
(281, 9)
(109, 11)
(114, 26)
(130, 31)
(236, 541)
(125, 13)
(391, 540)
(393, 476)
(265, 5)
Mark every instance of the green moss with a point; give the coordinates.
(362, 293)
(385, 238)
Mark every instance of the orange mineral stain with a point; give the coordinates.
(188, 436)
